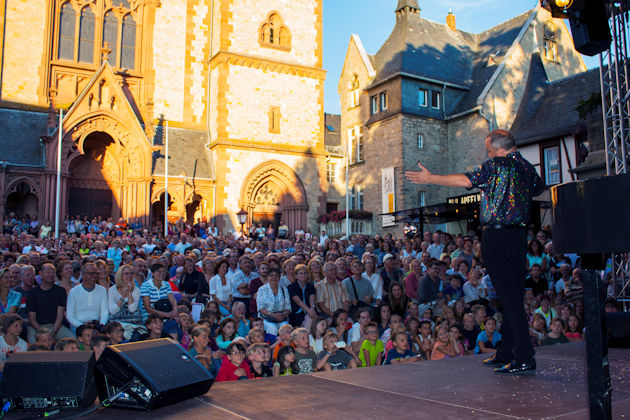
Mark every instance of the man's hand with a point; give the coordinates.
(419, 177)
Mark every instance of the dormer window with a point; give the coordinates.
(353, 92)
(274, 34)
(550, 45)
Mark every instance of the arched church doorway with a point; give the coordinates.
(157, 209)
(196, 209)
(93, 177)
(22, 201)
(273, 191)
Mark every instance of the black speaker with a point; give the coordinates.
(589, 28)
(618, 329)
(155, 372)
(49, 379)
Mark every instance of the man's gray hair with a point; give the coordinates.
(502, 139)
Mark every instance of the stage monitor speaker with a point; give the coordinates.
(49, 379)
(589, 28)
(618, 329)
(155, 372)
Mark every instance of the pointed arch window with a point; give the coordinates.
(128, 57)
(86, 35)
(274, 34)
(110, 36)
(66, 32)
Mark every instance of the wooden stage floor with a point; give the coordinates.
(447, 389)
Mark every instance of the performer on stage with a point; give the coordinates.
(507, 182)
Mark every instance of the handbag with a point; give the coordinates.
(163, 305)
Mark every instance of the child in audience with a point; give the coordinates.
(555, 336)
(318, 329)
(269, 338)
(335, 358)
(426, 341)
(226, 333)
(256, 336)
(305, 358)
(470, 331)
(454, 290)
(67, 344)
(256, 357)
(371, 352)
(456, 335)
(11, 342)
(413, 330)
(341, 326)
(444, 346)
(401, 353)
(284, 339)
(84, 335)
(574, 332)
(98, 344)
(381, 317)
(114, 332)
(488, 340)
(395, 321)
(537, 329)
(234, 366)
(412, 310)
(479, 314)
(154, 326)
(43, 337)
(286, 360)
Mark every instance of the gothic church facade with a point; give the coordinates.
(235, 86)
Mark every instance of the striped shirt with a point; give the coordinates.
(149, 289)
(331, 295)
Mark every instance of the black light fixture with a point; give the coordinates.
(242, 218)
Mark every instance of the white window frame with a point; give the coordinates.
(439, 99)
(351, 146)
(360, 202)
(420, 141)
(383, 100)
(553, 175)
(422, 198)
(374, 104)
(352, 193)
(423, 97)
(358, 135)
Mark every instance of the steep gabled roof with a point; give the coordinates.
(20, 132)
(549, 109)
(332, 135)
(187, 152)
(431, 50)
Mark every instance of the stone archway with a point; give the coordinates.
(95, 177)
(272, 192)
(23, 198)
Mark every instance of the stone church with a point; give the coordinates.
(235, 86)
(431, 93)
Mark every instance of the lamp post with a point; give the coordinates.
(242, 219)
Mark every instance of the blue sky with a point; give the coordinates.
(373, 21)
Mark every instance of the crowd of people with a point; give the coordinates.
(249, 307)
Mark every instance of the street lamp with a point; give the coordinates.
(242, 219)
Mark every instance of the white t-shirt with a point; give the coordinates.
(355, 333)
(222, 292)
(7, 349)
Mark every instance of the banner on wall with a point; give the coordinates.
(389, 196)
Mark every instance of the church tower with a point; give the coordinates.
(267, 115)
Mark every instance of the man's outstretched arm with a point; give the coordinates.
(424, 176)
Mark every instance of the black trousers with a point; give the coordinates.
(503, 252)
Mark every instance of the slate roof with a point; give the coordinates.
(187, 151)
(332, 135)
(20, 132)
(548, 109)
(430, 49)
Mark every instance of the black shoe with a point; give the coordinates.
(494, 360)
(517, 368)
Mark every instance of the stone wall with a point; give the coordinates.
(250, 94)
(297, 15)
(23, 49)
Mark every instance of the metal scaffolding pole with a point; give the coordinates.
(614, 78)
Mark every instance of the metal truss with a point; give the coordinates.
(615, 79)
